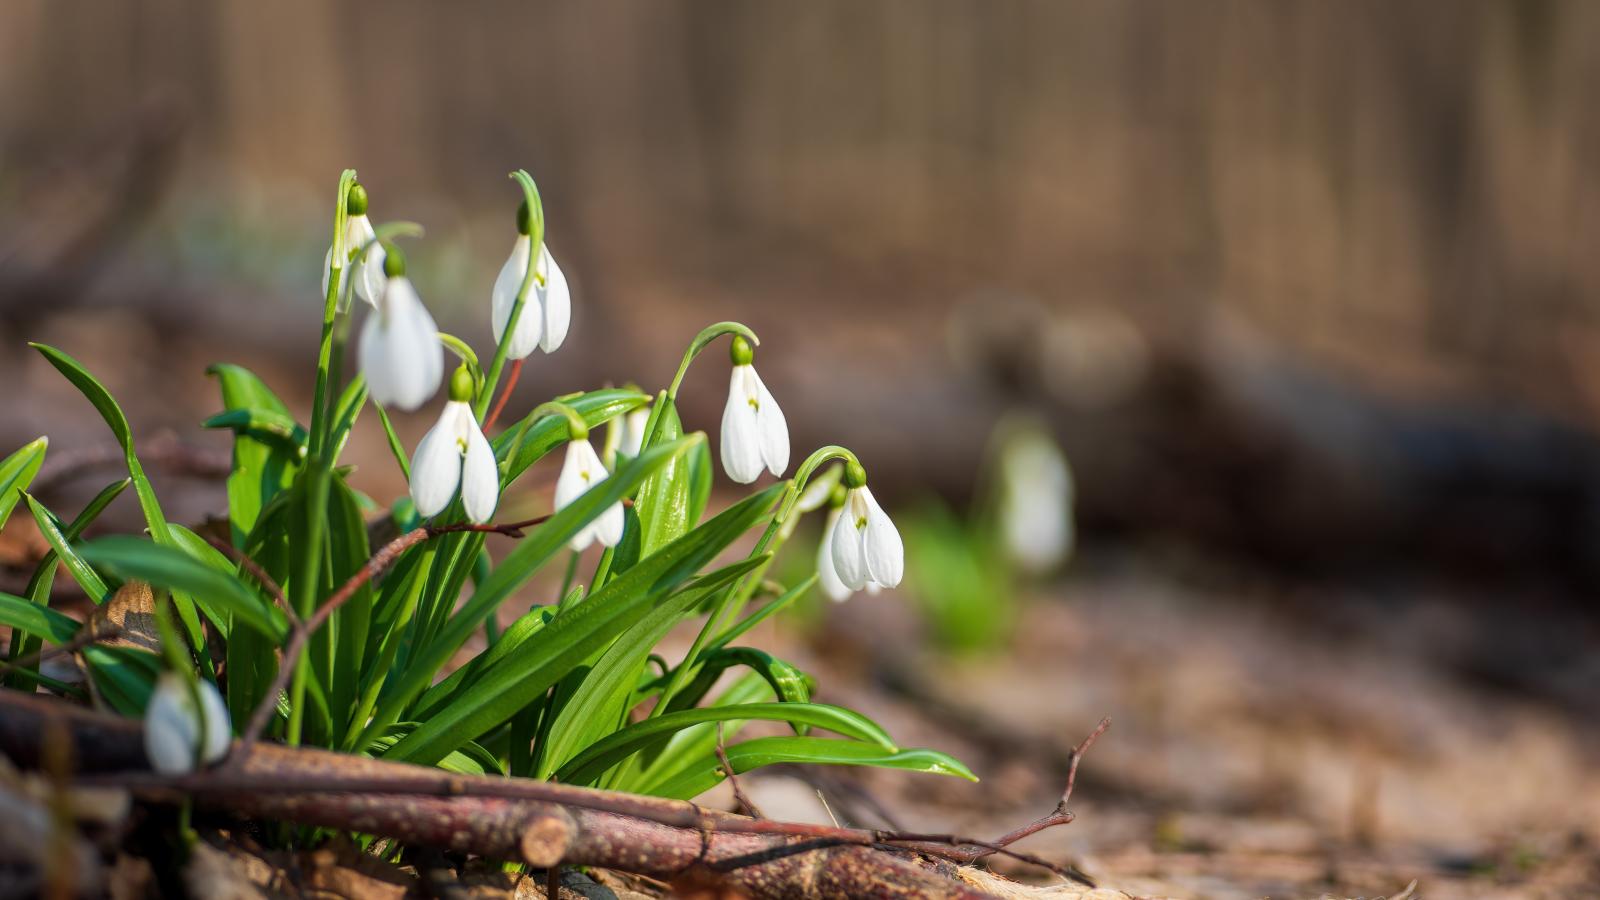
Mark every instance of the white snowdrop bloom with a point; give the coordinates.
(630, 430)
(547, 311)
(172, 728)
(455, 454)
(1035, 501)
(357, 232)
(754, 433)
(400, 352)
(582, 471)
(827, 573)
(866, 546)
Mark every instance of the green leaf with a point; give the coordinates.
(598, 701)
(549, 432)
(172, 568)
(661, 758)
(86, 577)
(580, 631)
(663, 501)
(101, 399)
(17, 612)
(760, 615)
(700, 474)
(791, 684)
(445, 692)
(263, 425)
(125, 676)
(602, 755)
(262, 466)
(16, 473)
(518, 566)
(470, 759)
(706, 772)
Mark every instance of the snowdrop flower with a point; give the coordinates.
(865, 546)
(357, 232)
(400, 352)
(454, 453)
(547, 310)
(827, 572)
(630, 430)
(754, 432)
(582, 471)
(1035, 501)
(173, 730)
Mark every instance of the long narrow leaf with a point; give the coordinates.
(17, 612)
(172, 568)
(573, 636)
(705, 773)
(16, 473)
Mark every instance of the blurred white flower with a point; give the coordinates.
(1035, 501)
(754, 431)
(172, 727)
(547, 311)
(400, 352)
(866, 547)
(630, 430)
(581, 471)
(357, 232)
(454, 453)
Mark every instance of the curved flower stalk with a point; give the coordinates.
(581, 471)
(865, 546)
(755, 434)
(455, 454)
(547, 311)
(400, 352)
(175, 734)
(358, 231)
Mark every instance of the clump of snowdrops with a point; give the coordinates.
(573, 688)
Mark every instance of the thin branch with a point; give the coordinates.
(258, 573)
(505, 394)
(733, 778)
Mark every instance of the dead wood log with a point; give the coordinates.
(302, 786)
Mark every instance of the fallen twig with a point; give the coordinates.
(733, 778)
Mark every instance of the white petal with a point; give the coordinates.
(772, 426)
(436, 466)
(849, 556)
(480, 476)
(885, 554)
(327, 261)
(172, 727)
(400, 351)
(608, 527)
(741, 437)
(219, 728)
(631, 441)
(580, 471)
(504, 297)
(555, 302)
(369, 272)
(827, 574)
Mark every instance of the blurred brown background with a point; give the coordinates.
(1311, 288)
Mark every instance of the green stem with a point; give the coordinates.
(330, 310)
(306, 586)
(701, 340)
(360, 732)
(530, 194)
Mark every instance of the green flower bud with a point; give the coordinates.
(355, 202)
(394, 262)
(836, 496)
(855, 475)
(741, 352)
(461, 384)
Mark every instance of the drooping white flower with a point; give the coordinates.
(630, 430)
(400, 352)
(1035, 501)
(357, 232)
(581, 471)
(455, 454)
(173, 727)
(827, 572)
(547, 311)
(755, 434)
(866, 547)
